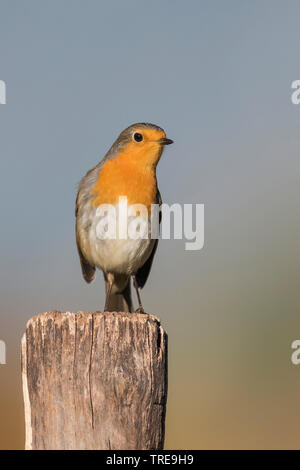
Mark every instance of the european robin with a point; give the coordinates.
(128, 170)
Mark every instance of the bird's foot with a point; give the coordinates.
(140, 310)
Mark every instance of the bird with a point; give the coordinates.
(128, 170)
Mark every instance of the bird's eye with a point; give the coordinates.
(138, 137)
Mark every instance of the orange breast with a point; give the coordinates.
(123, 176)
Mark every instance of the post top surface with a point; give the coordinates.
(57, 316)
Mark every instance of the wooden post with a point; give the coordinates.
(94, 381)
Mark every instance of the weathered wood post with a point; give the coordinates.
(94, 381)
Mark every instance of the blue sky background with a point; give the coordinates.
(217, 76)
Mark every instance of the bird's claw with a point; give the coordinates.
(140, 310)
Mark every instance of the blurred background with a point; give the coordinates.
(217, 76)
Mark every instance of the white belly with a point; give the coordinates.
(121, 256)
(115, 253)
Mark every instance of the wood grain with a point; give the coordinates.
(94, 381)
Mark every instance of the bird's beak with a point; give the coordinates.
(165, 141)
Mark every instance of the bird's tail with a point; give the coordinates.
(120, 302)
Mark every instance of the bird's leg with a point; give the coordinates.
(140, 309)
(109, 283)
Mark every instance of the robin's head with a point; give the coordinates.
(142, 143)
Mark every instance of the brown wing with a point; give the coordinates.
(88, 271)
(144, 271)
